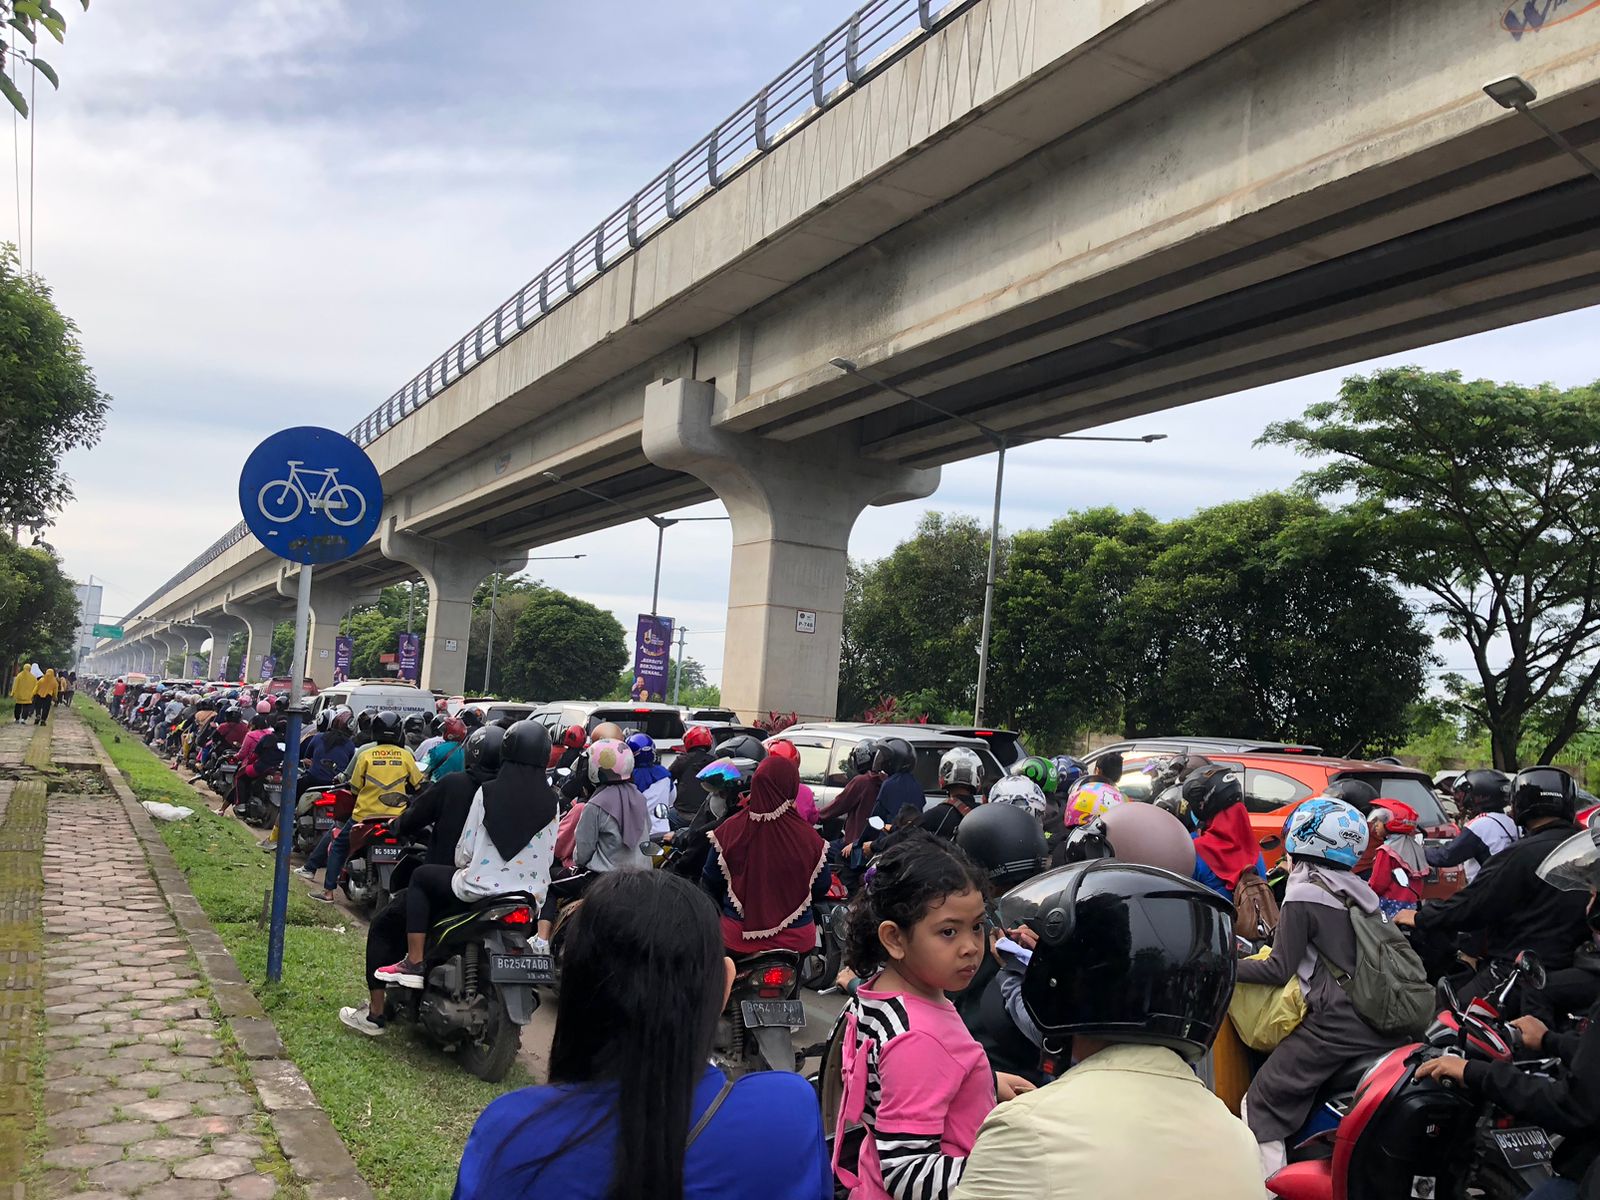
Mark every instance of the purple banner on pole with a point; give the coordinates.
(652, 658)
(344, 649)
(197, 669)
(244, 667)
(269, 667)
(410, 655)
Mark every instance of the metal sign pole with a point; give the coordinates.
(291, 774)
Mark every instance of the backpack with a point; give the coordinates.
(1389, 987)
(1255, 908)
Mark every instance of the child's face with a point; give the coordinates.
(943, 950)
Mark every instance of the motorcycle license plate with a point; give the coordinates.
(321, 823)
(1523, 1147)
(773, 1014)
(384, 854)
(521, 968)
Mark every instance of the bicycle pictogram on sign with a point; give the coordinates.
(281, 500)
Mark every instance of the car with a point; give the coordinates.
(1007, 746)
(492, 710)
(710, 716)
(280, 683)
(1276, 780)
(663, 722)
(381, 694)
(825, 748)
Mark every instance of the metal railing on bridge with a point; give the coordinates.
(874, 37)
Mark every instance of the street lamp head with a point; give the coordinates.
(1154, 437)
(1511, 92)
(551, 475)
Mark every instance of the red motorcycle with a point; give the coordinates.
(1410, 1139)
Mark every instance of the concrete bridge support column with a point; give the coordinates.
(329, 603)
(193, 638)
(259, 621)
(792, 505)
(452, 570)
(168, 645)
(221, 627)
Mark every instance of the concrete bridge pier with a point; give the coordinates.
(452, 570)
(167, 646)
(222, 627)
(259, 620)
(792, 506)
(193, 637)
(330, 600)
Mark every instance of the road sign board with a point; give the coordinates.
(107, 631)
(310, 495)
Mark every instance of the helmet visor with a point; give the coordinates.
(1574, 866)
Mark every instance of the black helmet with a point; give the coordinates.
(414, 723)
(231, 714)
(894, 757)
(1482, 791)
(1005, 841)
(861, 757)
(386, 727)
(527, 743)
(1127, 953)
(431, 723)
(1212, 790)
(1357, 793)
(741, 746)
(1543, 792)
(483, 750)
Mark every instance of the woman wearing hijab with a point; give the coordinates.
(768, 867)
(45, 697)
(1400, 866)
(1226, 846)
(505, 846)
(614, 830)
(23, 689)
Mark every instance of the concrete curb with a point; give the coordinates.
(316, 1153)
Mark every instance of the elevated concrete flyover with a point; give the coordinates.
(1042, 215)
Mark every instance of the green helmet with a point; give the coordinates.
(1041, 770)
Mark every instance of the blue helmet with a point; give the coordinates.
(1326, 829)
(644, 750)
(1068, 771)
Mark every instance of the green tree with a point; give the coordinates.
(912, 619)
(511, 597)
(49, 403)
(38, 607)
(1485, 497)
(563, 648)
(27, 18)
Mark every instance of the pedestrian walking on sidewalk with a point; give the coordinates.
(23, 689)
(49, 688)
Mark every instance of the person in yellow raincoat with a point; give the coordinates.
(49, 689)
(23, 689)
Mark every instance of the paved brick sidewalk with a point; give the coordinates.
(141, 1094)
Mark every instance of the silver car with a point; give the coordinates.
(825, 754)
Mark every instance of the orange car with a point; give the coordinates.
(1277, 777)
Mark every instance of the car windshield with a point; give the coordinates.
(517, 712)
(927, 768)
(663, 724)
(1411, 791)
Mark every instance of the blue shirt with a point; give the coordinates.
(764, 1143)
(327, 760)
(896, 791)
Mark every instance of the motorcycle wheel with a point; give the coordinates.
(490, 1059)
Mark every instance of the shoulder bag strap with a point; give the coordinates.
(711, 1111)
(1340, 975)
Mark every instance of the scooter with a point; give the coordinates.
(1402, 1137)
(375, 851)
(259, 805)
(327, 810)
(819, 967)
(756, 1030)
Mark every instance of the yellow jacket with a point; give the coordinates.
(49, 686)
(24, 687)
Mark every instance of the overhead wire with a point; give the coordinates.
(16, 151)
(33, 124)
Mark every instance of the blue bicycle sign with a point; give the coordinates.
(310, 513)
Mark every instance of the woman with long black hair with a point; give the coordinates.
(633, 1111)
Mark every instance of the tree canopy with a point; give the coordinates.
(27, 18)
(38, 606)
(562, 647)
(1485, 497)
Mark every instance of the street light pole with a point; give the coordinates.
(677, 677)
(1516, 93)
(1001, 442)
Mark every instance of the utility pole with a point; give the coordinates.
(677, 676)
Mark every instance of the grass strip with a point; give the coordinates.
(403, 1108)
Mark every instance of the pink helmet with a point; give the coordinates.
(264, 707)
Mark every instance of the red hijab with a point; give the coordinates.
(1228, 845)
(769, 855)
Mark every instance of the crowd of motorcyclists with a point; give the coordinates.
(1035, 963)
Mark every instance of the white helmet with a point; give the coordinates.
(1022, 792)
(960, 765)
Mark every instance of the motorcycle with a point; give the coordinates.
(1400, 1137)
(819, 967)
(756, 1030)
(327, 810)
(259, 804)
(479, 977)
(369, 871)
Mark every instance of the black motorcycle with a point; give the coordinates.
(756, 1030)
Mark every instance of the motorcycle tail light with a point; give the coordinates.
(518, 916)
(774, 982)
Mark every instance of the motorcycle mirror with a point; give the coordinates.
(659, 812)
(1449, 994)
(875, 823)
(282, 747)
(1531, 969)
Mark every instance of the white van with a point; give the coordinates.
(381, 694)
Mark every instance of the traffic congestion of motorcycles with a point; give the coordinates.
(1384, 973)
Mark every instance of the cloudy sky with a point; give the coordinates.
(273, 212)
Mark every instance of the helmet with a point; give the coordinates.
(527, 743)
(742, 746)
(1357, 793)
(387, 727)
(1019, 792)
(1088, 800)
(441, 705)
(1005, 842)
(894, 756)
(324, 719)
(1326, 829)
(1543, 792)
(573, 737)
(1482, 791)
(728, 775)
(1210, 791)
(455, 730)
(483, 749)
(644, 749)
(863, 754)
(1395, 816)
(1126, 952)
(1068, 770)
(961, 766)
(231, 714)
(606, 731)
(281, 702)
(413, 723)
(783, 748)
(263, 707)
(1041, 770)
(697, 737)
(431, 723)
(340, 718)
(610, 761)
(1143, 833)
(1574, 866)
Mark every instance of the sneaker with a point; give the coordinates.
(305, 872)
(538, 945)
(405, 973)
(361, 1021)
